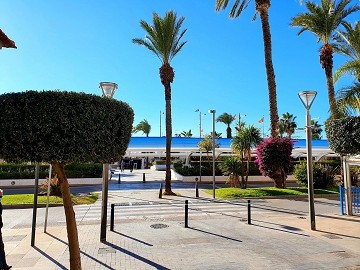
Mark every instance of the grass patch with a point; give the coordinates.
(234, 193)
(29, 199)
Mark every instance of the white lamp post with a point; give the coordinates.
(307, 98)
(213, 149)
(108, 90)
(200, 130)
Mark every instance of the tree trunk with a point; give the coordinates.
(73, 240)
(228, 132)
(262, 7)
(326, 60)
(168, 190)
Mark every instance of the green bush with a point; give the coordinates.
(323, 177)
(343, 135)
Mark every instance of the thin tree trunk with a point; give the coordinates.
(274, 117)
(73, 240)
(168, 190)
(331, 93)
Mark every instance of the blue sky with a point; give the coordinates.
(74, 45)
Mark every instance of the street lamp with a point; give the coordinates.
(240, 121)
(307, 98)
(108, 90)
(160, 121)
(213, 149)
(200, 130)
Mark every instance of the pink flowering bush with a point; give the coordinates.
(274, 159)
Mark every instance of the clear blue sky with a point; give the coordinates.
(74, 45)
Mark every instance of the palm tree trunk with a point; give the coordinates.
(228, 132)
(262, 8)
(73, 240)
(331, 93)
(168, 190)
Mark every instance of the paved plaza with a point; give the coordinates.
(150, 233)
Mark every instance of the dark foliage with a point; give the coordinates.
(344, 135)
(63, 127)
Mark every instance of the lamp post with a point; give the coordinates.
(213, 149)
(307, 98)
(200, 130)
(240, 121)
(108, 90)
(160, 121)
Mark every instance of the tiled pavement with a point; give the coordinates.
(217, 238)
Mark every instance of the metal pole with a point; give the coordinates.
(35, 204)
(47, 199)
(160, 123)
(119, 179)
(112, 217)
(160, 191)
(249, 212)
(200, 148)
(347, 187)
(213, 150)
(186, 213)
(143, 177)
(104, 202)
(310, 170)
(197, 190)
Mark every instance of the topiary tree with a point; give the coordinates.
(274, 158)
(63, 127)
(343, 135)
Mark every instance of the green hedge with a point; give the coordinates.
(73, 170)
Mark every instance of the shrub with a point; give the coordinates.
(274, 158)
(343, 135)
(323, 176)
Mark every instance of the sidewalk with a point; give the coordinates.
(279, 237)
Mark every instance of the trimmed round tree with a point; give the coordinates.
(344, 135)
(274, 159)
(62, 127)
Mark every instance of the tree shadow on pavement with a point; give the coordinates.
(82, 252)
(136, 256)
(49, 258)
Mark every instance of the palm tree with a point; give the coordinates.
(262, 7)
(248, 137)
(227, 119)
(288, 124)
(206, 145)
(316, 130)
(143, 126)
(323, 21)
(163, 38)
(348, 99)
(348, 44)
(187, 134)
(231, 166)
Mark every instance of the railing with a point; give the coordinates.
(355, 191)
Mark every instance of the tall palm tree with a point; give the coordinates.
(288, 123)
(262, 7)
(163, 38)
(227, 119)
(323, 21)
(143, 126)
(316, 130)
(242, 143)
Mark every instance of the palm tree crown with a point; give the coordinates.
(227, 119)
(323, 21)
(143, 126)
(288, 124)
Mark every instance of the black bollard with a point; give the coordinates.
(197, 190)
(160, 192)
(112, 217)
(119, 179)
(249, 212)
(186, 213)
(143, 177)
